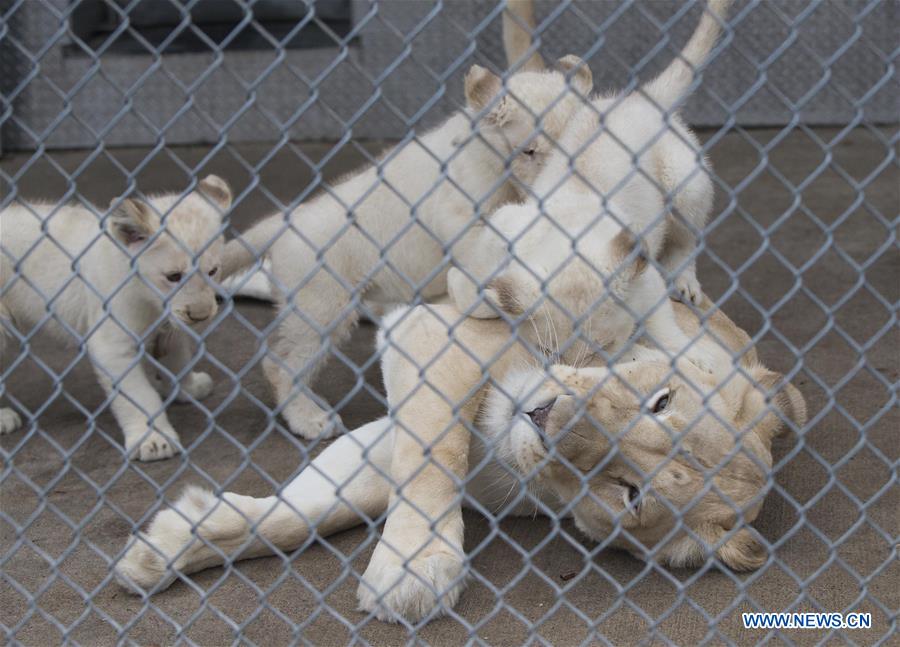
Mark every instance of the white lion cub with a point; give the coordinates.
(381, 234)
(175, 245)
(622, 164)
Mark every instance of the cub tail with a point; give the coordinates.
(670, 87)
(242, 252)
(518, 32)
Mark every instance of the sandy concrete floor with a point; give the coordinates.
(819, 295)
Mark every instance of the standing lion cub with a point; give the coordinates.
(61, 272)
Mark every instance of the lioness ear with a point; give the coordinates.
(217, 190)
(578, 73)
(782, 396)
(482, 86)
(628, 254)
(742, 552)
(131, 221)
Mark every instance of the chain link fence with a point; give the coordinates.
(633, 460)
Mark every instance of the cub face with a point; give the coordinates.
(177, 243)
(523, 119)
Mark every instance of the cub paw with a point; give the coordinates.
(196, 386)
(465, 296)
(702, 360)
(9, 421)
(425, 586)
(155, 446)
(308, 420)
(688, 289)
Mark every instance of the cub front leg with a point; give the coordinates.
(136, 405)
(663, 328)
(173, 350)
(677, 259)
(466, 296)
(9, 419)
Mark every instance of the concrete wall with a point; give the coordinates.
(405, 70)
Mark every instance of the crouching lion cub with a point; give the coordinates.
(676, 459)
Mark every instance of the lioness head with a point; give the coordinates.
(177, 243)
(524, 118)
(668, 465)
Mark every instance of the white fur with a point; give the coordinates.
(624, 162)
(399, 582)
(421, 572)
(256, 283)
(343, 486)
(381, 234)
(666, 193)
(576, 292)
(9, 420)
(115, 311)
(253, 283)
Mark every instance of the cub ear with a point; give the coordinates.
(513, 292)
(742, 552)
(482, 87)
(217, 190)
(131, 221)
(785, 403)
(578, 73)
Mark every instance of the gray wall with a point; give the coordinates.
(778, 57)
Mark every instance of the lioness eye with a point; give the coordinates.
(633, 494)
(529, 152)
(213, 271)
(660, 401)
(174, 277)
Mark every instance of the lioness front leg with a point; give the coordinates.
(419, 563)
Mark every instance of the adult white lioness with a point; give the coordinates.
(675, 458)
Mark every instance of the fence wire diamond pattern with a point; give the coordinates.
(543, 430)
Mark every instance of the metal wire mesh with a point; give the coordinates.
(799, 249)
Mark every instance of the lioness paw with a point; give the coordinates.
(152, 560)
(425, 586)
(9, 421)
(144, 566)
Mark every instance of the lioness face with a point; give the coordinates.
(635, 448)
(178, 245)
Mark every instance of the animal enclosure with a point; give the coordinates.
(795, 110)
